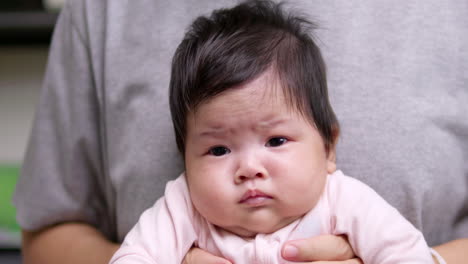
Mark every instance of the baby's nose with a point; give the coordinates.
(249, 171)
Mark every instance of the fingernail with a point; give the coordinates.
(290, 251)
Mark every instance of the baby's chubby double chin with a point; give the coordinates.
(250, 231)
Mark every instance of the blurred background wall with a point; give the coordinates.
(21, 73)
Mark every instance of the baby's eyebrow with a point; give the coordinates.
(221, 131)
(214, 131)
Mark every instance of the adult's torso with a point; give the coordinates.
(397, 81)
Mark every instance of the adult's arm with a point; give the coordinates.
(59, 200)
(67, 243)
(453, 252)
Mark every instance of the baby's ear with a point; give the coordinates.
(331, 153)
(331, 161)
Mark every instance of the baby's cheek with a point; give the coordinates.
(209, 200)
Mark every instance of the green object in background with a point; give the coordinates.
(9, 229)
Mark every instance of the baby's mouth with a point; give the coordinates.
(254, 198)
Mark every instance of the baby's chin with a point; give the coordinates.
(250, 231)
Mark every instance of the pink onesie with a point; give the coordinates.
(377, 232)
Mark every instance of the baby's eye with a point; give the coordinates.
(276, 141)
(219, 151)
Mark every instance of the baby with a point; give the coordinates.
(250, 108)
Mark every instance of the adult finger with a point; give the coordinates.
(199, 256)
(349, 261)
(319, 248)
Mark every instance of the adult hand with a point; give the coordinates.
(327, 248)
(199, 256)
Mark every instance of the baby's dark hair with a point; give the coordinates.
(234, 46)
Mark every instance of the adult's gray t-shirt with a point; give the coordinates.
(102, 145)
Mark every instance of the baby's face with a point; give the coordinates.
(253, 164)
